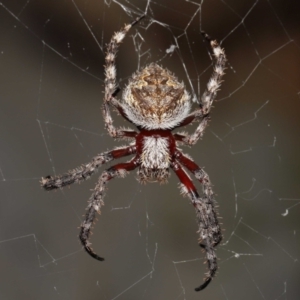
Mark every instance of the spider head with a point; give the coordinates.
(155, 99)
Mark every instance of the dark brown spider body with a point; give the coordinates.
(156, 103)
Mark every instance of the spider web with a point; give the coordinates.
(52, 56)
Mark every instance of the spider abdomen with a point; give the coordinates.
(155, 99)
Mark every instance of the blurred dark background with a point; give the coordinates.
(52, 57)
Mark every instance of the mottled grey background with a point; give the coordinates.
(51, 93)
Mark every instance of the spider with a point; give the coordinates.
(156, 103)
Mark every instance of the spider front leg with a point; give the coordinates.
(203, 178)
(207, 222)
(85, 171)
(96, 202)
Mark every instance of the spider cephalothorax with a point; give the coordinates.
(156, 103)
(156, 150)
(154, 99)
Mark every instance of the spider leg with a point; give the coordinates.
(193, 138)
(203, 178)
(208, 96)
(215, 80)
(204, 213)
(110, 79)
(96, 202)
(85, 171)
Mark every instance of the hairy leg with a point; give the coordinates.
(193, 138)
(203, 210)
(96, 202)
(111, 77)
(203, 178)
(85, 171)
(208, 96)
